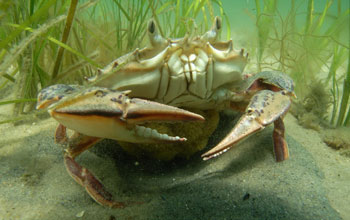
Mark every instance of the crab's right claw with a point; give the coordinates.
(104, 113)
(265, 107)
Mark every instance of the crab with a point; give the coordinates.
(158, 83)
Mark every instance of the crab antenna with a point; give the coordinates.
(154, 37)
(212, 34)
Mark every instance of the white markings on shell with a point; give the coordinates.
(187, 74)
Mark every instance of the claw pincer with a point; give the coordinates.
(271, 100)
(264, 108)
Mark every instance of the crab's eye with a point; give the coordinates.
(218, 23)
(151, 27)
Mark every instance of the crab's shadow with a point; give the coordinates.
(231, 163)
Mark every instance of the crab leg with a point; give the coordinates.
(77, 144)
(91, 184)
(280, 144)
(265, 107)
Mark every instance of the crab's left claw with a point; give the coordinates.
(265, 107)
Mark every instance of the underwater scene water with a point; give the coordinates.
(167, 109)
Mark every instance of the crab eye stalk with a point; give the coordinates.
(151, 27)
(155, 38)
(218, 23)
(212, 34)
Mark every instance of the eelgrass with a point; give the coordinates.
(343, 117)
(16, 101)
(264, 23)
(23, 46)
(65, 35)
(305, 51)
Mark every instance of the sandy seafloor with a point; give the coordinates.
(244, 183)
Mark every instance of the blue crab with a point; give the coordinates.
(154, 84)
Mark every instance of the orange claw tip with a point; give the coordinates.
(41, 104)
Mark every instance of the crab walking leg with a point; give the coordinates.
(265, 107)
(91, 184)
(280, 144)
(61, 135)
(77, 144)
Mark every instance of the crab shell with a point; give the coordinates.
(184, 72)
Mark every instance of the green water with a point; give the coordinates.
(239, 11)
(242, 14)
